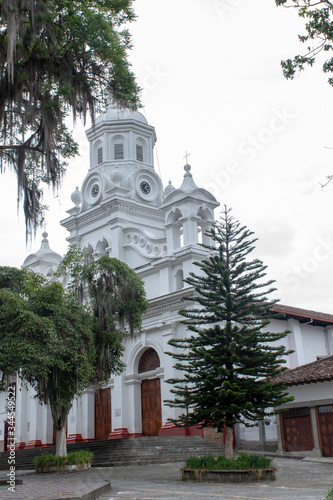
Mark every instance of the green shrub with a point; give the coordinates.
(80, 457)
(75, 458)
(241, 462)
(329, 495)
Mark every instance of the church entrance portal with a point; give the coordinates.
(102, 413)
(150, 395)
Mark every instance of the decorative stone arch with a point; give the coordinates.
(119, 150)
(138, 351)
(144, 387)
(174, 226)
(89, 251)
(205, 222)
(98, 153)
(102, 248)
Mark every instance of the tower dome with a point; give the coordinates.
(116, 113)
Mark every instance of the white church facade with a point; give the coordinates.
(123, 211)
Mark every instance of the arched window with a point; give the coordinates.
(98, 153)
(88, 254)
(118, 150)
(101, 248)
(203, 226)
(118, 147)
(140, 150)
(149, 361)
(175, 230)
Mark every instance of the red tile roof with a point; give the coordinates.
(307, 315)
(320, 370)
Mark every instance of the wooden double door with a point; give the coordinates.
(102, 413)
(297, 430)
(151, 409)
(151, 406)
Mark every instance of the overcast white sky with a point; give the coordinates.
(213, 86)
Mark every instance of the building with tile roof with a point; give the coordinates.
(306, 423)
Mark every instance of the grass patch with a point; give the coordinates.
(329, 495)
(241, 462)
(75, 458)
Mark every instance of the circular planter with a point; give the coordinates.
(228, 476)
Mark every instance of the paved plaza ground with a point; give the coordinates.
(296, 479)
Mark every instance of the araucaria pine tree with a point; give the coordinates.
(227, 362)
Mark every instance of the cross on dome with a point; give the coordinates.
(186, 156)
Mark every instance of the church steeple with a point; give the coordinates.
(121, 159)
(120, 197)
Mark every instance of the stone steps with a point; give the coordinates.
(127, 451)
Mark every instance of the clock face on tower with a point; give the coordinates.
(145, 187)
(94, 190)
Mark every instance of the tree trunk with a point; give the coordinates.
(61, 448)
(229, 441)
(60, 416)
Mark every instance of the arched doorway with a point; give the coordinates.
(150, 394)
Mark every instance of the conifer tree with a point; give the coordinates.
(228, 360)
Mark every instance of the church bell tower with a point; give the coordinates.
(117, 212)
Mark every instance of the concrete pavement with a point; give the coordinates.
(296, 479)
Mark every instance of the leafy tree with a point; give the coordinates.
(319, 30)
(47, 337)
(56, 57)
(227, 361)
(117, 298)
(59, 346)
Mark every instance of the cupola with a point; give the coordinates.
(189, 212)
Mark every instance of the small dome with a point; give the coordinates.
(43, 256)
(169, 189)
(116, 113)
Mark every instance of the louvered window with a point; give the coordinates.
(119, 151)
(100, 155)
(139, 152)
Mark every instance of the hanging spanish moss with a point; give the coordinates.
(56, 57)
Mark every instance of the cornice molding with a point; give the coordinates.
(169, 302)
(105, 209)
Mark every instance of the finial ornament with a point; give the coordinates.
(76, 197)
(186, 156)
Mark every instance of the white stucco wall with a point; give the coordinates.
(316, 392)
